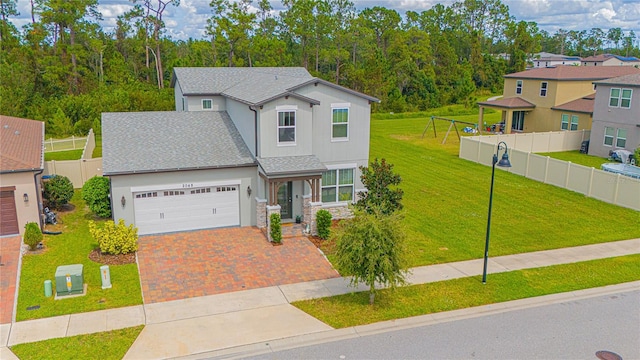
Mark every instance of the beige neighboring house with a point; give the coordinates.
(610, 60)
(550, 99)
(21, 167)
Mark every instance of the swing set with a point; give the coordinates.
(453, 124)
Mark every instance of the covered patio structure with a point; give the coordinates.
(513, 110)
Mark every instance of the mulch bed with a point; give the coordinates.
(106, 259)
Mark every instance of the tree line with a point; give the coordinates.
(63, 68)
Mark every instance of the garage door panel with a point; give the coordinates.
(181, 210)
(8, 214)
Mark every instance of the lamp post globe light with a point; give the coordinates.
(504, 162)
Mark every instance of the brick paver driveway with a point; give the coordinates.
(9, 258)
(206, 262)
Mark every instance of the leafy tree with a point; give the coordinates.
(96, 193)
(370, 247)
(382, 191)
(58, 191)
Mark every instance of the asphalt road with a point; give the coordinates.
(570, 330)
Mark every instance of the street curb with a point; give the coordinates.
(275, 345)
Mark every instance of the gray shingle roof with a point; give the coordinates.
(253, 86)
(291, 165)
(629, 80)
(170, 140)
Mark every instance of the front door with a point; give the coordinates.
(284, 200)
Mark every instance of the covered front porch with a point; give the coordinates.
(290, 186)
(514, 111)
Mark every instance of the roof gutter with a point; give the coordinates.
(253, 163)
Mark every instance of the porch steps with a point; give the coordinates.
(292, 230)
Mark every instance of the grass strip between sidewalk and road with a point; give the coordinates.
(353, 309)
(106, 345)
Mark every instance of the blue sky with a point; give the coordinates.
(189, 19)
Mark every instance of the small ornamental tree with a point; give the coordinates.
(382, 191)
(323, 223)
(32, 235)
(115, 239)
(370, 247)
(58, 191)
(276, 228)
(96, 193)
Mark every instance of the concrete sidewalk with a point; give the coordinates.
(239, 319)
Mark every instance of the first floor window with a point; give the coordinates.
(565, 122)
(574, 122)
(337, 185)
(207, 104)
(286, 127)
(608, 135)
(621, 138)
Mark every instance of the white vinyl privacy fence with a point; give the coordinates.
(78, 171)
(606, 186)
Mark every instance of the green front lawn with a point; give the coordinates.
(73, 247)
(63, 155)
(106, 345)
(354, 309)
(446, 201)
(577, 157)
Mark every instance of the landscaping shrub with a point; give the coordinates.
(115, 239)
(323, 222)
(32, 235)
(96, 193)
(58, 191)
(276, 228)
(636, 155)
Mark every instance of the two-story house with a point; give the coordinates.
(616, 115)
(550, 99)
(242, 143)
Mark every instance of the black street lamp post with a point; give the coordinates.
(504, 162)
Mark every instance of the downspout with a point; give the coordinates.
(255, 128)
(38, 195)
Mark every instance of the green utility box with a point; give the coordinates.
(69, 280)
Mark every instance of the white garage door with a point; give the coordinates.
(161, 211)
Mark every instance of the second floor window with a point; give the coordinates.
(207, 104)
(340, 124)
(518, 87)
(543, 88)
(620, 98)
(286, 127)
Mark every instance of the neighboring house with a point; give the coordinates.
(556, 60)
(616, 115)
(243, 143)
(21, 166)
(610, 60)
(550, 99)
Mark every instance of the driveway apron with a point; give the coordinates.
(9, 259)
(206, 262)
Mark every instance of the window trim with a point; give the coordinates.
(340, 106)
(620, 98)
(285, 109)
(612, 137)
(204, 108)
(519, 86)
(544, 87)
(577, 119)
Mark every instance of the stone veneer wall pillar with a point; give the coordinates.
(271, 209)
(261, 213)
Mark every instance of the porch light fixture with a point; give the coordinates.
(123, 201)
(25, 197)
(504, 162)
(249, 190)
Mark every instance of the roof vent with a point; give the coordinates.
(17, 132)
(276, 77)
(6, 126)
